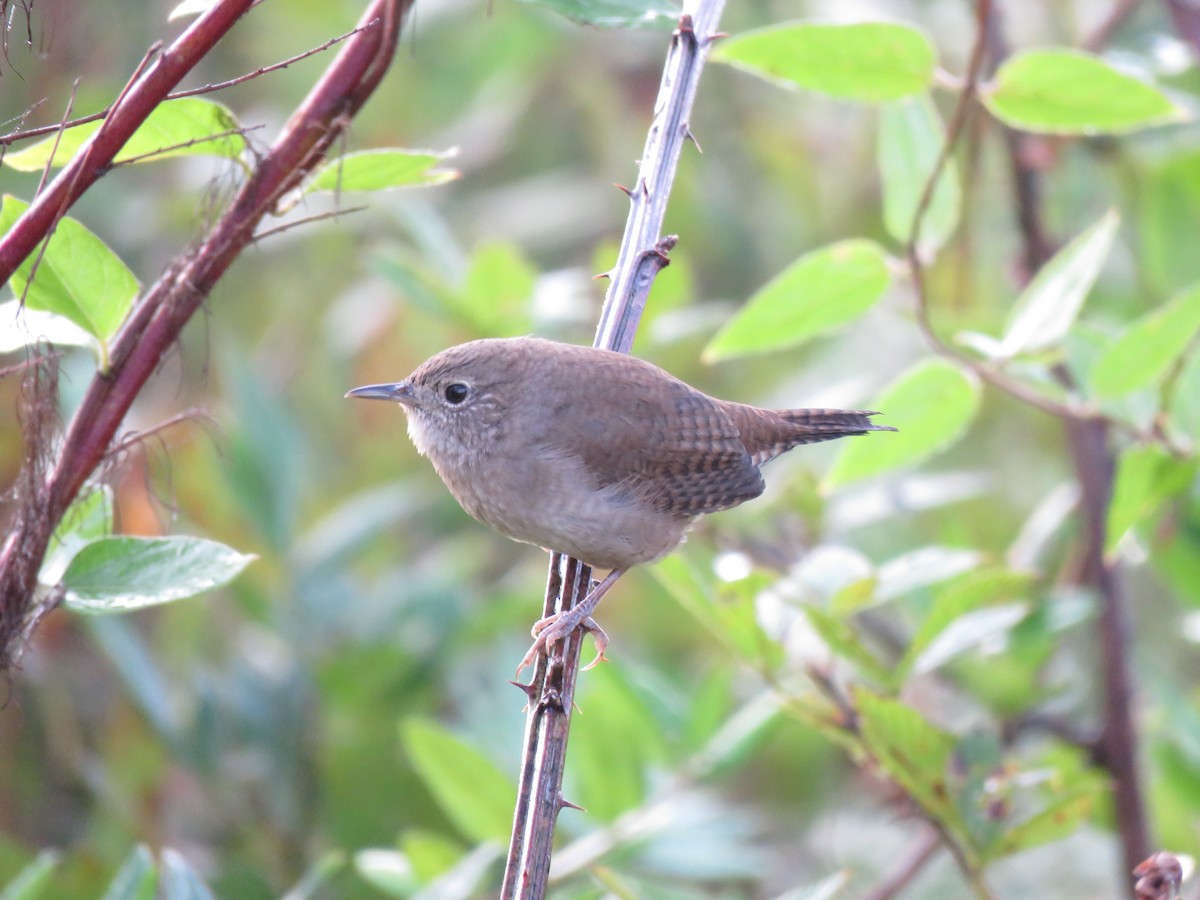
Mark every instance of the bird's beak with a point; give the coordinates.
(401, 392)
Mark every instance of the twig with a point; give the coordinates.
(848, 721)
(1103, 32)
(642, 255)
(912, 251)
(37, 261)
(132, 439)
(137, 101)
(13, 137)
(895, 883)
(36, 359)
(183, 145)
(308, 220)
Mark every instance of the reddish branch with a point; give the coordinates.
(1089, 437)
(1090, 443)
(145, 91)
(156, 321)
(14, 136)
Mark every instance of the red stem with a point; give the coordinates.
(137, 101)
(155, 323)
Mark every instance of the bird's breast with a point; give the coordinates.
(548, 498)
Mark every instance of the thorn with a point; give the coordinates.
(688, 136)
(685, 25)
(564, 803)
(529, 689)
(716, 36)
(626, 191)
(600, 275)
(645, 187)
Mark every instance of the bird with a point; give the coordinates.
(595, 454)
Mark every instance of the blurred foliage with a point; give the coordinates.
(806, 681)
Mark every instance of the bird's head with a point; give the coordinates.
(457, 402)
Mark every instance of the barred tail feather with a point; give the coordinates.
(765, 440)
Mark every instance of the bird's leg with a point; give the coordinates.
(558, 626)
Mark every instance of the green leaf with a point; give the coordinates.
(934, 644)
(978, 787)
(932, 404)
(912, 751)
(853, 597)
(88, 518)
(740, 735)
(147, 684)
(137, 879)
(377, 170)
(472, 792)
(190, 8)
(911, 136)
(840, 638)
(388, 871)
(21, 327)
(615, 13)
(711, 701)
(821, 290)
(1148, 347)
(1071, 92)
(77, 277)
(179, 881)
(1061, 818)
(314, 881)
(185, 127)
(429, 855)
(1167, 208)
(828, 888)
(614, 747)
(499, 287)
(1146, 476)
(871, 62)
(922, 567)
(731, 619)
(31, 881)
(1050, 302)
(118, 574)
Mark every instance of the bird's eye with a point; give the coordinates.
(456, 393)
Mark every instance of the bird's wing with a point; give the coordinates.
(655, 439)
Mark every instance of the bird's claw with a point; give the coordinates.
(548, 631)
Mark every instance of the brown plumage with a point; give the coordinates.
(599, 455)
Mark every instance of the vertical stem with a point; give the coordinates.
(539, 792)
(642, 255)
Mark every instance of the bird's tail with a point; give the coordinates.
(764, 437)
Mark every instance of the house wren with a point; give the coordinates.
(595, 454)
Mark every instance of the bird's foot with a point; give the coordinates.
(548, 631)
(560, 625)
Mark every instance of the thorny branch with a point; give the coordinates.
(160, 314)
(642, 255)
